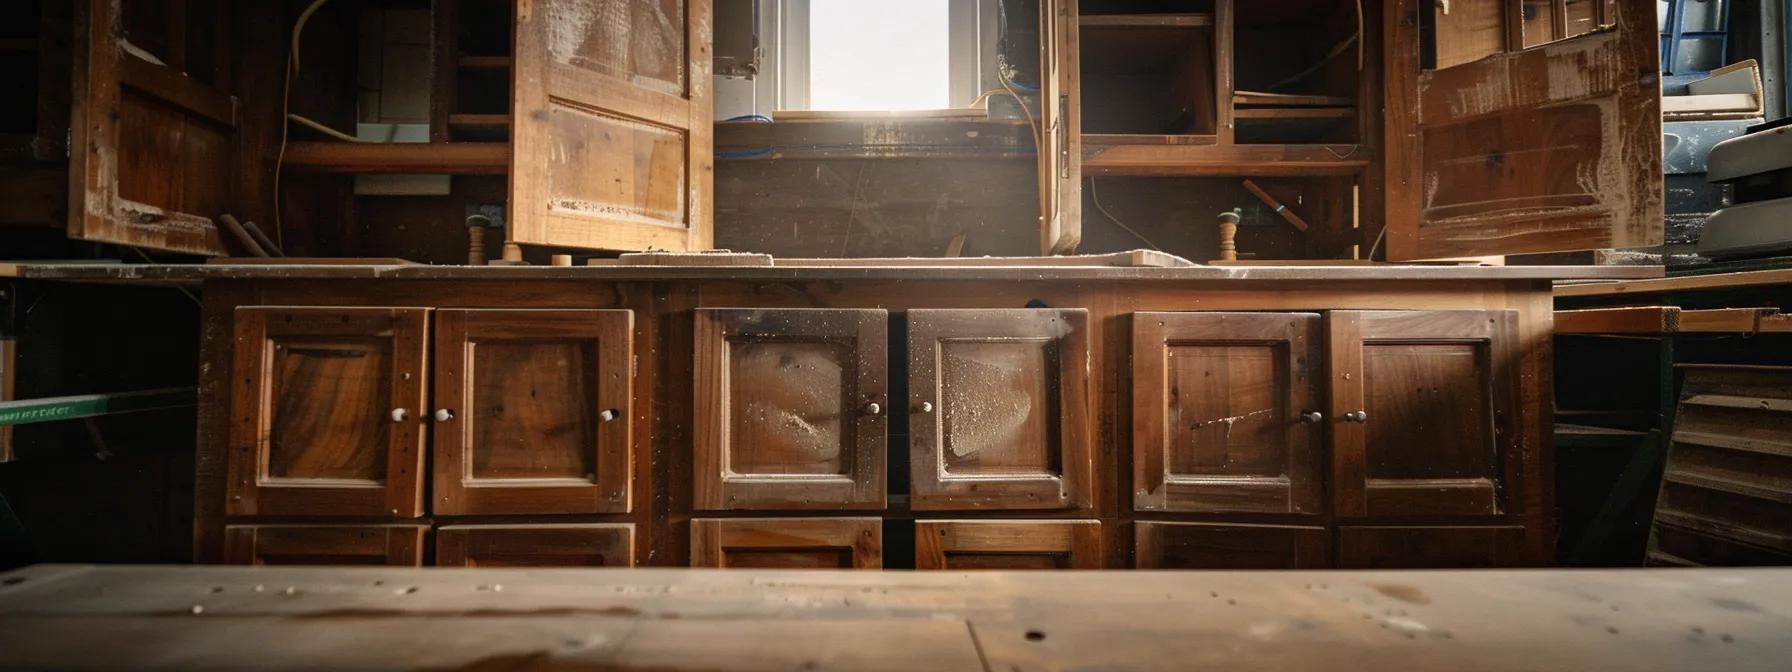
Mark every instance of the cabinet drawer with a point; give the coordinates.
(998, 409)
(569, 545)
(790, 409)
(1008, 544)
(327, 412)
(1211, 546)
(532, 411)
(1431, 547)
(396, 545)
(787, 543)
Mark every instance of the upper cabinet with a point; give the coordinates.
(153, 129)
(1424, 413)
(1516, 126)
(611, 145)
(791, 410)
(998, 409)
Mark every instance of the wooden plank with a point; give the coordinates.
(399, 618)
(1226, 160)
(787, 543)
(458, 158)
(1193, 20)
(1132, 259)
(1058, 137)
(857, 115)
(1266, 99)
(1633, 320)
(1689, 283)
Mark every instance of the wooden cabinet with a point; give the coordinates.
(1423, 410)
(791, 409)
(532, 411)
(327, 411)
(1226, 412)
(397, 545)
(787, 543)
(1008, 544)
(541, 545)
(1160, 545)
(998, 409)
(1437, 547)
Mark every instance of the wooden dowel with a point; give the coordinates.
(242, 235)
(1271, 201)
(267, 244)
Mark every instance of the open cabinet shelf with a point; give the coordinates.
(455, 158)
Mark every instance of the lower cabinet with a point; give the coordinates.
(396, 545)
(1211, 546)
(1008, 544)
(551, 545)
(787, 543)
(1431, 547)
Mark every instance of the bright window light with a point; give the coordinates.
(878, 55)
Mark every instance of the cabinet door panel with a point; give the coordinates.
(1211, 546)
(1224, 412)
(395, 545)
(570, 545)
(998, 409)
(1008, 544)
(790, 409)
(787, 543)
(326, 411)
(1430, 547)
(1423, 412)
(533, 411)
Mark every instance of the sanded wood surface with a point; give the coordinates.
(1691, 283)
(386, 618)
(1672, 320)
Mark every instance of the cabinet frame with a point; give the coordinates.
(399, 545)
(250, 491)
(456, 491)
(1079, 540)
(712, 538)
(462, 545)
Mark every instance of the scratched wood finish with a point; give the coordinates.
(1168, 545)
(532, 411)
(1222, 412)
(791, 409)
(1547, 149)
(1008, 544)
(335, 545)
(611, 125)
(787, 543)
(327, 411)
(152, 147)
(536, 545)
(1437, 394)
(998, 409)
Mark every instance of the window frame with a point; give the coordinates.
(971, 41)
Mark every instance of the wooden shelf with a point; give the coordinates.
(1160, 159)
(481, 120)
(1202, 20)
(1293, 112)
(1117, 139)
(456, 158)
(484, 62)
(1262, 99)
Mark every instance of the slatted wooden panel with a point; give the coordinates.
(1726, 494)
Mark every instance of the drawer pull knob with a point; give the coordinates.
(926, 407)
(1311, 417)
(444, 415)
(607, 414)
(398, 414)
(873, 408)
(1358, 417)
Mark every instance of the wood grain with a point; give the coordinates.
(1004, 544)
(536, 545)
(396, 545)
(787, 543)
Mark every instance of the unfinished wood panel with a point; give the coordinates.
(152, 146)
(542, 545)
(1159, 545)
(1726, 492)
(1548, 149)
(611, 125)
(1008, 544)
(998, 409)
(790, 409)
(1059, 140)
(334, 545)
(787, 543)
(532, 411)
(1441, 547)
(327, 411)
(1423, 412)
(1226, 414)
(1469, 30)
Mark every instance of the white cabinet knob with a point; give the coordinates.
(444, 415)
(398, 414)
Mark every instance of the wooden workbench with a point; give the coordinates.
(189, 618)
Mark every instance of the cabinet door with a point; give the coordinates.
(1423, 412)
(1430, 547)
(568, 545)
(790, 409)
(396, 545)
(1226, 414)
(1551, 148)
(787, 543)
(611, 134)
(1212, 546)
(1007, 544)
(532, 411)
(327, 412)
(998, 409)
